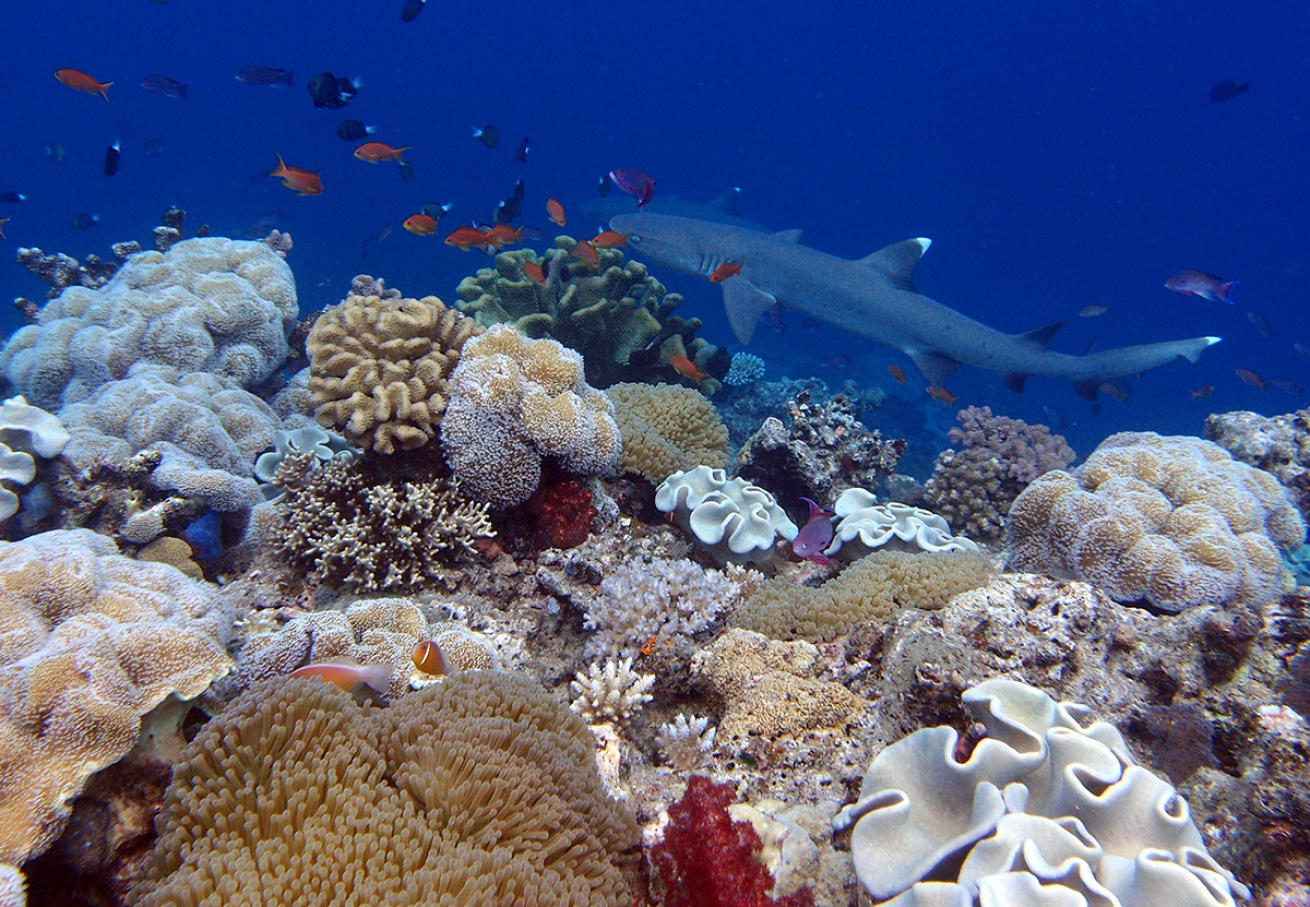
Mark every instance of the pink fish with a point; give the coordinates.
(635, 183)
(1199, 283)
(815, 535)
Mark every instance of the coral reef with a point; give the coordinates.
(1276, 444)
(380, 368)
(309, 439)
(62, 271)
(759, 400)
(26, 432)
(514, 402)
(1040, 801)
(875, 587)
(864, 525)
(746, 368)
(735, 521)
(480, 790)
(687, 744)
(1173, 521)
(208, 305)
(561, 513)
(610, 692)
(667, 428)
(823, 450)
(92, 642)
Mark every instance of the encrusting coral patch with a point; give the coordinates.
(667, 428)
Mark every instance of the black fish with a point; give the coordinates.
(164, 85)
(409, 12)
(56, 152)
(488, 135)
(407, 171)
(113, 154)
(331, 92)
(604, 186)
(644, 358)
(152, 147)
(81, 220)
(354, 130)
(521, 154)
(1227, 90)
(12, 198)
(264, 75)
(435, 211)
(510, 207)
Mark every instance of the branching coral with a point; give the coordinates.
(610, 692)
(667, 428)
(380, 368)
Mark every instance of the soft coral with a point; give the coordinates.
(708, 860)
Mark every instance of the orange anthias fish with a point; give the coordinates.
(348, 675)
(942, 394)
(687, 369)
(420, 225)
(556, 212)
(725, 270)
(1252, 378)
(1203, 391)
(533, 272)
(896, 373)
(304, 182)
(1111, 389)
(587, 252)
(503, 234)
(377, 152)
(82, 82)
(466, 238)
(429, 659)
(608, 239)
(1092, 311)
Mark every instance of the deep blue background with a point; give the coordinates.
(1058, 156)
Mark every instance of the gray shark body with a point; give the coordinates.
(875, 297)
(722, 209)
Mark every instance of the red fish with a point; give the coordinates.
(1203, 391)
(587, 252)
(556, 212)
(420, 225)
(635, 183)
(532, 271)
(3, 221)
(1199, 283)
(377, 152)
(942, 394)
(1252, 378)
(609, 239)
(429, 659)
(466, 238)
(82, 82)
(815, 535)
(897, 374)
(304, 182)
(1111, 389)
(503, 234)
(725, 270)
(347, 675)
(687, 369)
(1287, 385)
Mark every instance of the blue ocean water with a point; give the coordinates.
(1059, 156)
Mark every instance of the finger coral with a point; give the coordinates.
(1174, 521)
(667, 428)
(479, 791)
(380, 367)
(514, 402)
(90, 641)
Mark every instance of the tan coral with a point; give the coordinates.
(173, 551)
(92, 641)
(379, 368)
(667, 428)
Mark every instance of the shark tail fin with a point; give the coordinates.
(1191, 350)
(897, 261)
(1042, 336)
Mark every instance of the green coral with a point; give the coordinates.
(606, 312)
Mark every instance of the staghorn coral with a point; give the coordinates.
(514, 402)
(92, 641)
(667, 428)
(379, 368)
(208, 305)
(1174, 521)
(685, 743)
(374, 526)
(1276, 444)
(479, 791)
(876, 587)
(610, 692)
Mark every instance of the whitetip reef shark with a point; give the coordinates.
(876, 298)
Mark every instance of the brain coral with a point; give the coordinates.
(90, 641)
(379, 368)
(1043, 811)
(515, 401)
(207, 305)
(667, 428)
(479, 791)
(1175, 521)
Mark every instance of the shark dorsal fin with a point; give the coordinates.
(1042, 336)
(727, 201)
(1014, 381)
(788, 235)
(897, 261)
(745, 303)
(936, 367)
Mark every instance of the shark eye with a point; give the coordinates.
(634, 238)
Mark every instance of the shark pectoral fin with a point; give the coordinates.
(727, 201)
(745, 303)
(1086, 388)
(1014, 381)
(936, 367)
(1042, 336)
(788, 235)
(897, 261)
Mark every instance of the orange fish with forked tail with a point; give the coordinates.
(503, 235)
(82, 82)
(377, 152)
(725, 270)
(687, 369)
(533, 272)
(587, 252)
(898, 375)
(609, 239)
(556, 212)
(466, 238)
(1252, 378)
(942, 394)
(304, 182)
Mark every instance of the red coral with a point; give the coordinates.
(562, 513)
(708, 860)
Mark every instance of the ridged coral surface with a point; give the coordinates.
(667, 428)
(1171, 520)
(207, 305)
(90, 641)
(379, 368)
(479, 791)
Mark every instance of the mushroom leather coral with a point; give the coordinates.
(479, 791)
(708, 860)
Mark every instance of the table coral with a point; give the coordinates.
(667, 428)
(380, 368)
(478, 791)
(1175, 521)
(208, 305)
(92, 641)
(514, 402)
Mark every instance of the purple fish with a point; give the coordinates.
(164, 85)
(635, 183)
(815, 535)
(1199, 283)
